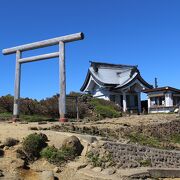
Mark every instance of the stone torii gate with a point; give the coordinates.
(62, 71)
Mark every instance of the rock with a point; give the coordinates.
(44, 137)
(18, 163)
(5, 148)
(109, 171)
(1, 152)
(88, 138)
(89, 166)
(56, 170)
(74, 143)
(77, 165)
(97, 169)
(10, 142)
(1, 146)
(47, 175)
(1, 173)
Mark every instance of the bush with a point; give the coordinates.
(33, 144)
(105, 108)
(10, 142)
(105, 111)
(58, 156)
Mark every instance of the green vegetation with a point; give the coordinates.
(5, 115)
(145, 163)
(175, 138)
(105, 108)
(47, 109)
(33, 144)
(94, 159)
(27, 118)
(144, 140)
(36, 118)
(58, 156)
(99, 161)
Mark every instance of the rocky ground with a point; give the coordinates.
(12, 167)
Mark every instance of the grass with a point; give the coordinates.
(99, 161)
(28, 118)
(58, 156)
(175, 138)
(144, 140)
(36, 118)
(145, 163)
(5, 115)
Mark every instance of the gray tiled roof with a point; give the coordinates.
(115, 75)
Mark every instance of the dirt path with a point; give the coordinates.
(20, 131)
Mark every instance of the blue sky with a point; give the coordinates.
(136, 32)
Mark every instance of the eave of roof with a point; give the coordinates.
(166, 88)
(111, 65)
(138, 76)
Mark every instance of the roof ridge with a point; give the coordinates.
(111, 64)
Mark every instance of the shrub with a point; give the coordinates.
(94, 159)
(10, 142)
(106, 111)
(58, 156)
(33, 144)
(105, 108)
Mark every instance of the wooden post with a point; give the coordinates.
(62, 97)
(77, 108)
(139, 102)
(17, 86)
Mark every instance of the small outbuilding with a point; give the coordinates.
(119, 83)
(163, 99)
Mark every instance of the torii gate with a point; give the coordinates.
(62, 72)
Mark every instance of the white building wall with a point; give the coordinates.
(168, 99)
(100, 93)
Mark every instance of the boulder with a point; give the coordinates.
(74, 143)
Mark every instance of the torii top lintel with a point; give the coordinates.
(45, 43)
